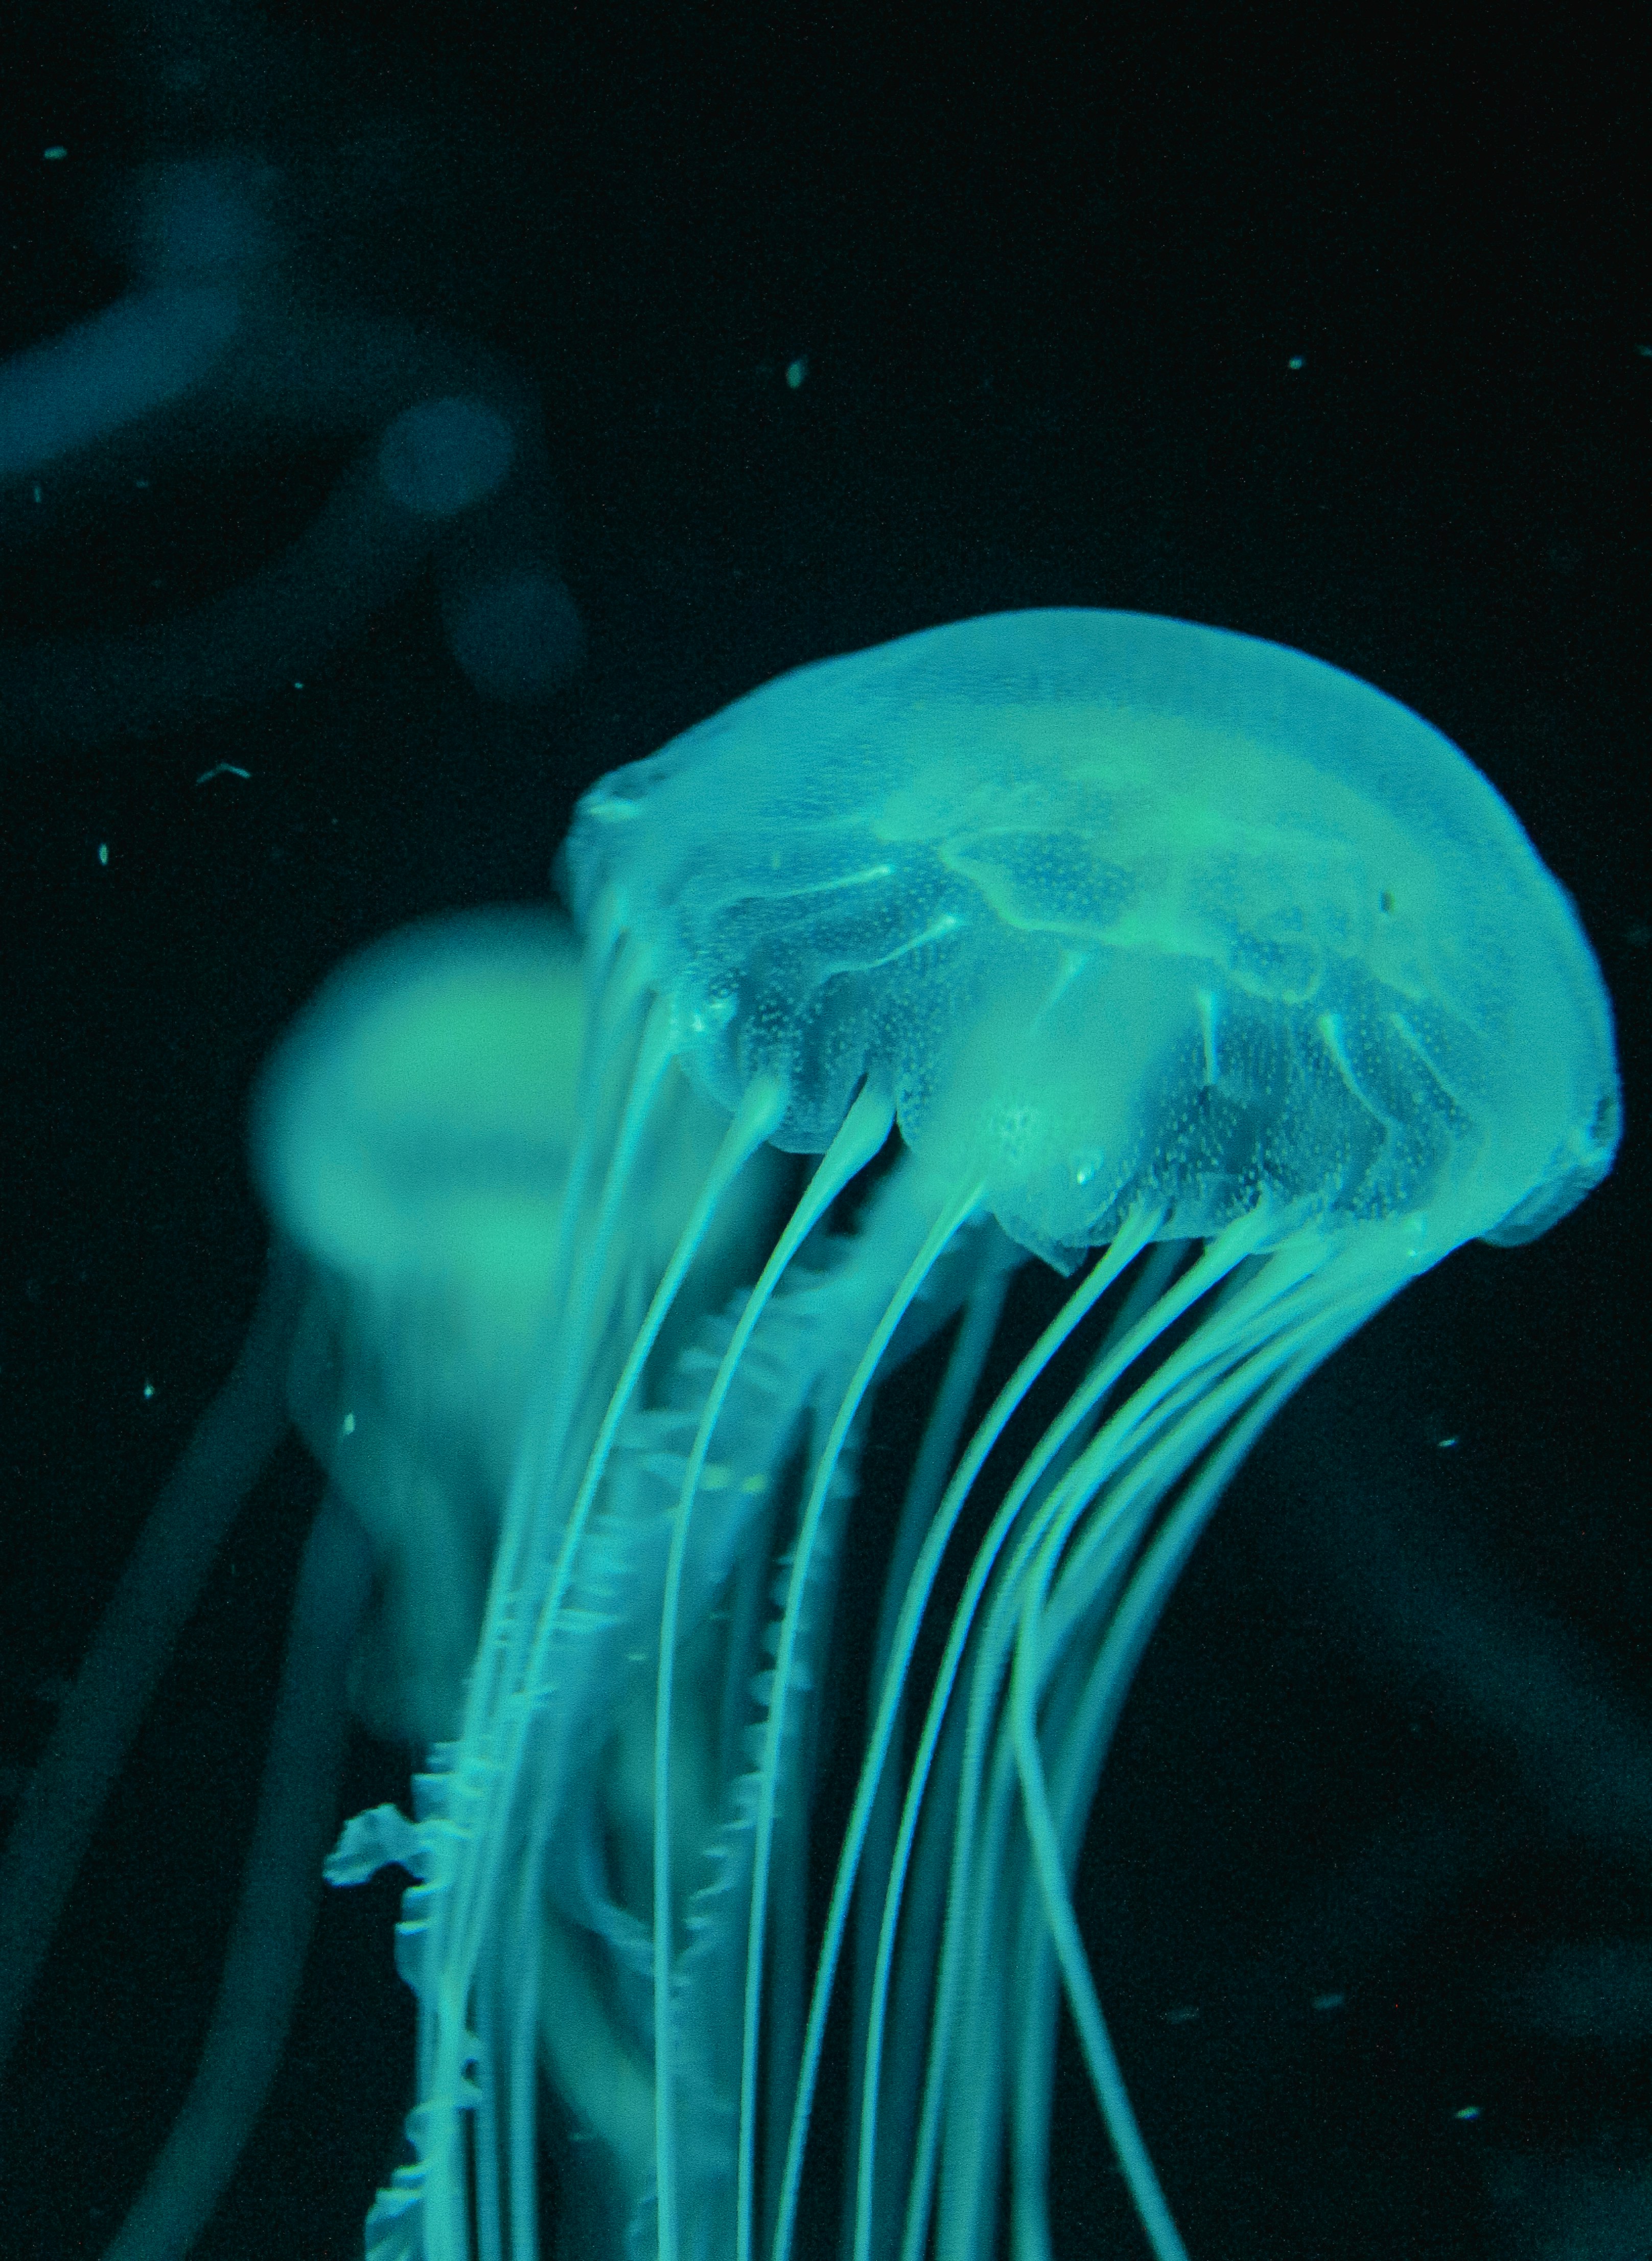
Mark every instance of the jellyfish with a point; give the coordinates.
(1182, 965)
(226, 345)
(1177, 962)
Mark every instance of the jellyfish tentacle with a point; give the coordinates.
(1126, 1245)
(270, 1936)
(945, 1219)
(1161, 1568)
(964, 2085)
(865, 1129)
(936, 1450)
(231, 1446)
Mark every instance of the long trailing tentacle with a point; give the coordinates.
(231, 1446)
(298, 1814)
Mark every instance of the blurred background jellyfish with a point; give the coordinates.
(415, 1134)
(1196, 970)
(239, 338)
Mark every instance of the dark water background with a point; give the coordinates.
(1246, 316)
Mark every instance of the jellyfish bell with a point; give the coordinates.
(1194, 968)
(1179, 845)
(442, 1047)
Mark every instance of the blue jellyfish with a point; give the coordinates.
(1187, 966)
